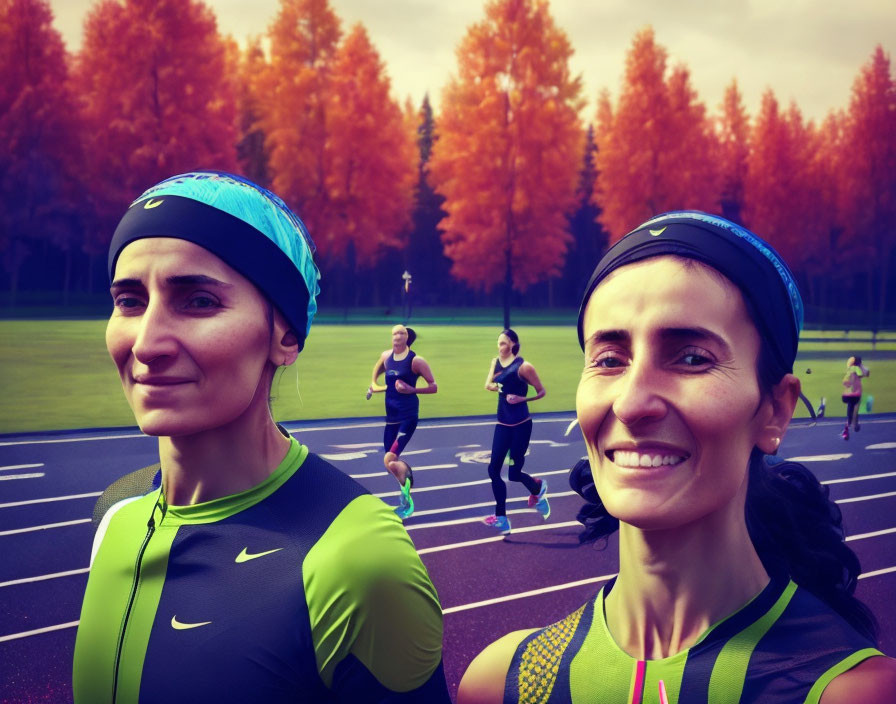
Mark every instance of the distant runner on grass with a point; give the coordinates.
(402, 367)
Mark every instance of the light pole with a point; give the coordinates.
(406, 276)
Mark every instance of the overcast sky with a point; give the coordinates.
(808, 51)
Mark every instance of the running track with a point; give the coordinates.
(487, 586)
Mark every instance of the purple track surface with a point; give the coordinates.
(487, 585)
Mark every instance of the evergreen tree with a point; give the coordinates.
(589, 238)
(426, 260)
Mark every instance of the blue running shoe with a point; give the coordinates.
(499, 522)
(540, 501)
(406, 509)
(406, 504)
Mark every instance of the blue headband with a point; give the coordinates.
(247, 226)
(746, 260)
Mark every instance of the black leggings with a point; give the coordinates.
(396, 436)
(852, 409)
(513, 439)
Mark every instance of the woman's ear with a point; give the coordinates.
(284, 342)
(784, 397)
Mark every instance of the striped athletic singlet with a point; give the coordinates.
(784, 646)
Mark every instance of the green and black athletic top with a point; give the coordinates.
(783, 647)
(304, 588)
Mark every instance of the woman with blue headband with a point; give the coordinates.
(734, 582)
(242, 568)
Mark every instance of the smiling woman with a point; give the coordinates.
(735, 583)
(237, 569)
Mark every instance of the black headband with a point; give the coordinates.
(235, 241)
(750, 263)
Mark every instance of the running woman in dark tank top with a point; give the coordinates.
(402, 367)
(510, 376)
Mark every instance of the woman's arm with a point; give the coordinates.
(527, 372)
(872, 680)
(378, 369)
(490, 385)
(418, 366)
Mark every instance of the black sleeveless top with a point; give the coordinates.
(509, 381)
(399, 406)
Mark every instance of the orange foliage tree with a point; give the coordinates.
(779, 192)
(369, 156)
(868, 168)
(656, 148)
(152, 76)
(39, 137)
(292, 97)
(508, 150)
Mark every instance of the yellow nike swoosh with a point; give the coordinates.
(178, 626)
(245, 555)
(151, 203)
(657, 233)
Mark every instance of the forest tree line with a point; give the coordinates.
(508, 193)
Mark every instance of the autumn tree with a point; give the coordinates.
(370, 176)
(869, 169)
(734, 147)
(293, 95)
(39, 137)
(656, 147)
(775, 193)
(508, 149)
(156, 98)
(426, 258)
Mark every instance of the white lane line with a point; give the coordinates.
(496, 538)
(820, 458)
(881, 446)
(875, 573)
(377, 424)
(58, 440)
(38, 631)
(416, 469)
(52, 498)
(581, 583)
(21, 466)
(358, 445)
(873, 534)
(55, 575)
(44, 527)
(865, 498)
(483, 504)
(461, 484)
(523, 595)
(405, 453)
(449, 610)
(474, 519)
(8, 477)
(858, 479)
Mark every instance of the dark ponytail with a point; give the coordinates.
(412, 335)
(796, 530)
(514, 338)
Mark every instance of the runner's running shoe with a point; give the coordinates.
(540, 501)
(845, 434)
(498, 522)
(406, 509)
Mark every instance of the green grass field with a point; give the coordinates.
(56, 375)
